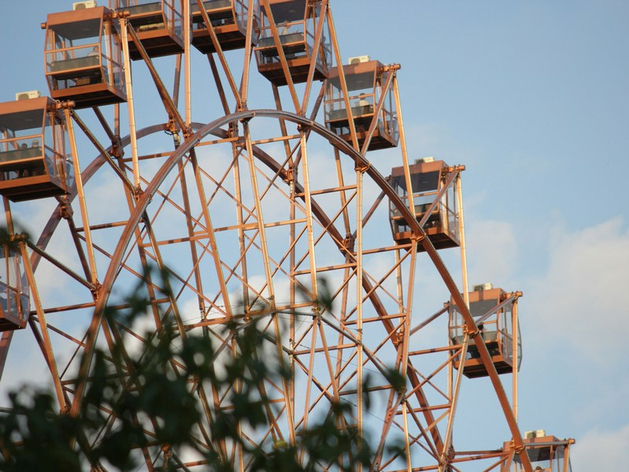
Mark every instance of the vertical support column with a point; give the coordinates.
(81, 194)
(187, 41)
(459, 204)
(407, 443)
(408, 307)
(359, 305)
(293, 286)
(130, 107)
(240, 219)
(309, 225)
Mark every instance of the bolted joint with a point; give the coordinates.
(167, 450)
(171, 127)
(116, 150)
(96, 290)
(137, 193)
(120, 14)
(239, 142)
(65, 105)
(66, 210)
(518, 449)
(187, 132)
(18, 238)
(398, 338)
(289, 175)
(232, 130)
(390, 67)
(417, 238)
(349, 243)
(362, 167)
(471, 334)
(450, 169)
(304, 127)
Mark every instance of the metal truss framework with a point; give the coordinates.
(245, 225)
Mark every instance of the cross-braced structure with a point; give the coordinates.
(254, 213)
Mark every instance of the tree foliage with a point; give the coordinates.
(160, 384)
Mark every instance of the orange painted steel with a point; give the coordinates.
(248, 212)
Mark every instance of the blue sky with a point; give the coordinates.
(532, 97)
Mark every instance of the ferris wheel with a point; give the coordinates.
(253, 212)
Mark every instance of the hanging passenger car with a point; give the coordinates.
(33, 159)
(229, 21)
(368, 85)
(296, 23)
(546, 453)
(440, 214)
(158, 25)
(495, 314)
(83, 58)
(14, 289)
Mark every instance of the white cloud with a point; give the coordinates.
(575, 318)
(492, 251)
(581, 298)
(601, 450)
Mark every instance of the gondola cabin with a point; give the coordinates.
(366, 87)
(14, 290)
(296, 23)
(229, 19)
(546, 453)
(158, 25)
(496, 321)
(83, 58)
(33, 159)
(439, 214)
